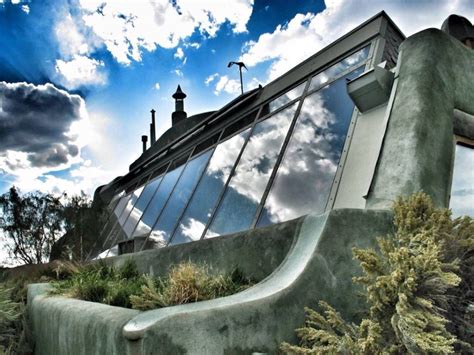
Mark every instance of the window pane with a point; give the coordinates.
(252, 173)
(158, 201)
(178, 199)
(140, 206)
(462, 189)
(333, 71)
(287, 97)
(306, 173)
(204, 199)
(131, 202)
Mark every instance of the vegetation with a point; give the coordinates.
(418, 285)
(32, 223)
(187, 283)
(10, 315)
(126, 287)
(14, 334)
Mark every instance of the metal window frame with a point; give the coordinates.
(190, 153)
(182, 146)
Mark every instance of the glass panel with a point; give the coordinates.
(333, 71)
(125, 212)
(140, 206)
(158, 201)
(306, 173)
(204, 199)
(247, 185)
(178, 200)
(462, 189)
(130, 204)
(121, 205)
(287, 97)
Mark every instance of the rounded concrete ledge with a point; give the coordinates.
(319, 266)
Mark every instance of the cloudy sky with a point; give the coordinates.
(79, 77)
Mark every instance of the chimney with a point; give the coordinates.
(179, 114)
(144, 140)
(152, 128)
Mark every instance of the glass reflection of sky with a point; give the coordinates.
(251, 176)
(178, 199)
(140, 206)
(204, 199)
(462, 189)
(287, 97)
(305, 175)
(157, 202)
(333, 71)
(129, 206)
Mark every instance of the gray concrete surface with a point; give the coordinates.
(435, 77)
(318, 266)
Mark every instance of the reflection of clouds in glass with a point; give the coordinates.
(129, 206)
(462, 189)
(224, 157)
(287, 97)
(256, 164)
(192, 229)
(205, 197)
(120, 206)
(142, 230)
(330, 73)
(251, 176)
(306, 173)
(211, 234)
(158, 238)
(107, 253)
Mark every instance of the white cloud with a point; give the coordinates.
(157, 86)
(305, 34)
(179, 53)
(194, 45)
(76, 68)
(25, 9)
(80, 71)
(127, 28)
(210, 78)
(70, 40)
(178, 72)
(230, 86)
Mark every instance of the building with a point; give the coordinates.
(282, 182)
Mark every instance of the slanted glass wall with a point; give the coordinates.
(266, 168)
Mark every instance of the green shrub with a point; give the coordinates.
(187, 282)
(418, 285)
(126, 287)
(10, 315)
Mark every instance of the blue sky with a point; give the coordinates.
(79, 77)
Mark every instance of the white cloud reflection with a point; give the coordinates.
(308, 168)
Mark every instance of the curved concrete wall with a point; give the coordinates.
(319, 266)
(255, 252)
(435, 77)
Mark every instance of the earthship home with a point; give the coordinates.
(281, 182)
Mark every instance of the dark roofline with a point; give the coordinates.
(149, 155)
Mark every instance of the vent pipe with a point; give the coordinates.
(144, 140)
(152, 128)
(179, 114)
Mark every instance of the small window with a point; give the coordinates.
(286, 97)
(462, 188)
